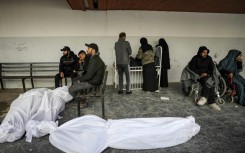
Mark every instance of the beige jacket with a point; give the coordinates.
(146, 57)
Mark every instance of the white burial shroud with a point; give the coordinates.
(33, 106)
(91, 134)
(36, 110)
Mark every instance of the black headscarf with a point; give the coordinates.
(144, 45)
(165, 53)
(201, 49)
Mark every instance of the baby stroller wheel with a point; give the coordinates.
(229, 98)
(220, 101)
(187, 92)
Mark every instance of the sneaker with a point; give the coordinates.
(157, 91)
(120, 92)
(202, 101)
(129, 92)
(214, 106)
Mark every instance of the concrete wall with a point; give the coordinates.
(35, 31)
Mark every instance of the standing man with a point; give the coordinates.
(68, 64)
(123, 51)
(94, 74)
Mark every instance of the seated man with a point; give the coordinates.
(68, 63)
(202, 64)
(82, 64)
(95, 72)
(230, 67)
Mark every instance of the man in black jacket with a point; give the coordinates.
(95, 71)
(68, 64)
(202, 64)
(82, 63)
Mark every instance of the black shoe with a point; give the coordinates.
(129, 92)
(120, 92)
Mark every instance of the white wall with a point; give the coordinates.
(34, 30)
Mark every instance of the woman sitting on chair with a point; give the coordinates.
(230, 67)
(202, 64)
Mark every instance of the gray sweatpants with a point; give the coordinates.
(79, 86)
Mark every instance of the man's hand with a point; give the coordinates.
(230, 75)
(203, 75)
(62, 75)
(239, 58)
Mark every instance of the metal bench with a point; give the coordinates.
(23, 71)
(98, 91)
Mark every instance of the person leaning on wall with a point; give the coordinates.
(123, 51)
(67, 66)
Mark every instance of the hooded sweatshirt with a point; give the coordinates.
(68, 63)
(200, 65)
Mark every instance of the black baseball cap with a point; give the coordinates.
(94, 46)
(82, 51)
(66, 48)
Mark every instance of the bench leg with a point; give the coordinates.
(66, 81)
(103, 107)
(32, 83)
(24, 85)
(61, 85)
(2, 84)
(78, 108)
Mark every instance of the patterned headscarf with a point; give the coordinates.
(229, 62)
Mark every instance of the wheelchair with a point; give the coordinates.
(230, 93)
(195, 87)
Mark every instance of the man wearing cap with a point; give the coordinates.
(203, 65)
(95, 71)
(68, 64)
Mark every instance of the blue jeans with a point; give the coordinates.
(123, 68)
(240, 86)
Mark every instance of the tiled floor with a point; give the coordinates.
(221, 131)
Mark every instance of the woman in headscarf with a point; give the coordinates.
(230, 67)
(165, 62)
(146, 54)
